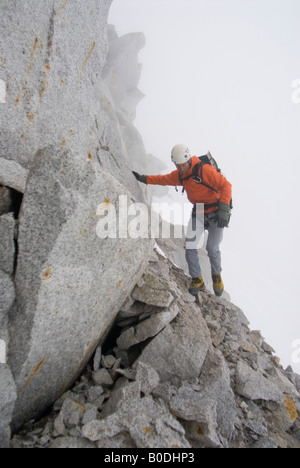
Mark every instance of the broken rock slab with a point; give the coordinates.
(153, 290)
(147, 328)
(215, 383)
(253, 385)
(122, 392)
(208, 410)
(180, 349)
(199, 415)
(147, 377)
(102, 377)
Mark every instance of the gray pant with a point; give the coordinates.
(195, 240)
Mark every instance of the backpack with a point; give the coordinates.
(197, 175)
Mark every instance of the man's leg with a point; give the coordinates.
(194, 241)
(215, 237)
(191, 256)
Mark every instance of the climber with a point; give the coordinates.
(214, 192)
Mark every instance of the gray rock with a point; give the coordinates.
(62, 147)
(127, 305)
(13, 175)
(148, 328)
(7, 294)
(297, 382)
(264, 443)
(8, 397)
(147, 377)
(199, 413)
(108, 361)
(256, 338)
(90, 413)
(267, 348)
(105, 428)
(283, 383)
(195, 405)
(131, 312)
(257, 426)
(180, 349)
(125, 391)
(122, 441)
(5, 200)
(48, 76)
(67, 296)
(69, 417)
(236, 314)
(7, 246)
(215, 383)
(94, 393)
(219, 337)
(149, 424)
(102, 377)
(97, 358)
(208, 410)
(253, 385)
(72, 443)
(153, 290)
(114, 369)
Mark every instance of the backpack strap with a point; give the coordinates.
(197, 175)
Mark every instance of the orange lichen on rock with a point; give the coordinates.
(291, 408)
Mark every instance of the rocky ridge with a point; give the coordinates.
(176, 371)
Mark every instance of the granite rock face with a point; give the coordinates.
(51, 55)
(61, 157)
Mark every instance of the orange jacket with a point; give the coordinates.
(198, 193)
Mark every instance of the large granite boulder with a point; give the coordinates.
(70, 283)
(61, 147)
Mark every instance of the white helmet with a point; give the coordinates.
(180, 154)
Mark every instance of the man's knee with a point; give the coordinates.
(213, 249)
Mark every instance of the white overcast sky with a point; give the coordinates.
(219, 75)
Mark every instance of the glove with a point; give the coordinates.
(139, 177)
(223, 213)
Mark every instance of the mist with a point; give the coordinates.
(225, 76)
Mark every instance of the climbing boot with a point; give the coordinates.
(218, 285)
(197, 285)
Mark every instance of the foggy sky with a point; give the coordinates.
(224, 76)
